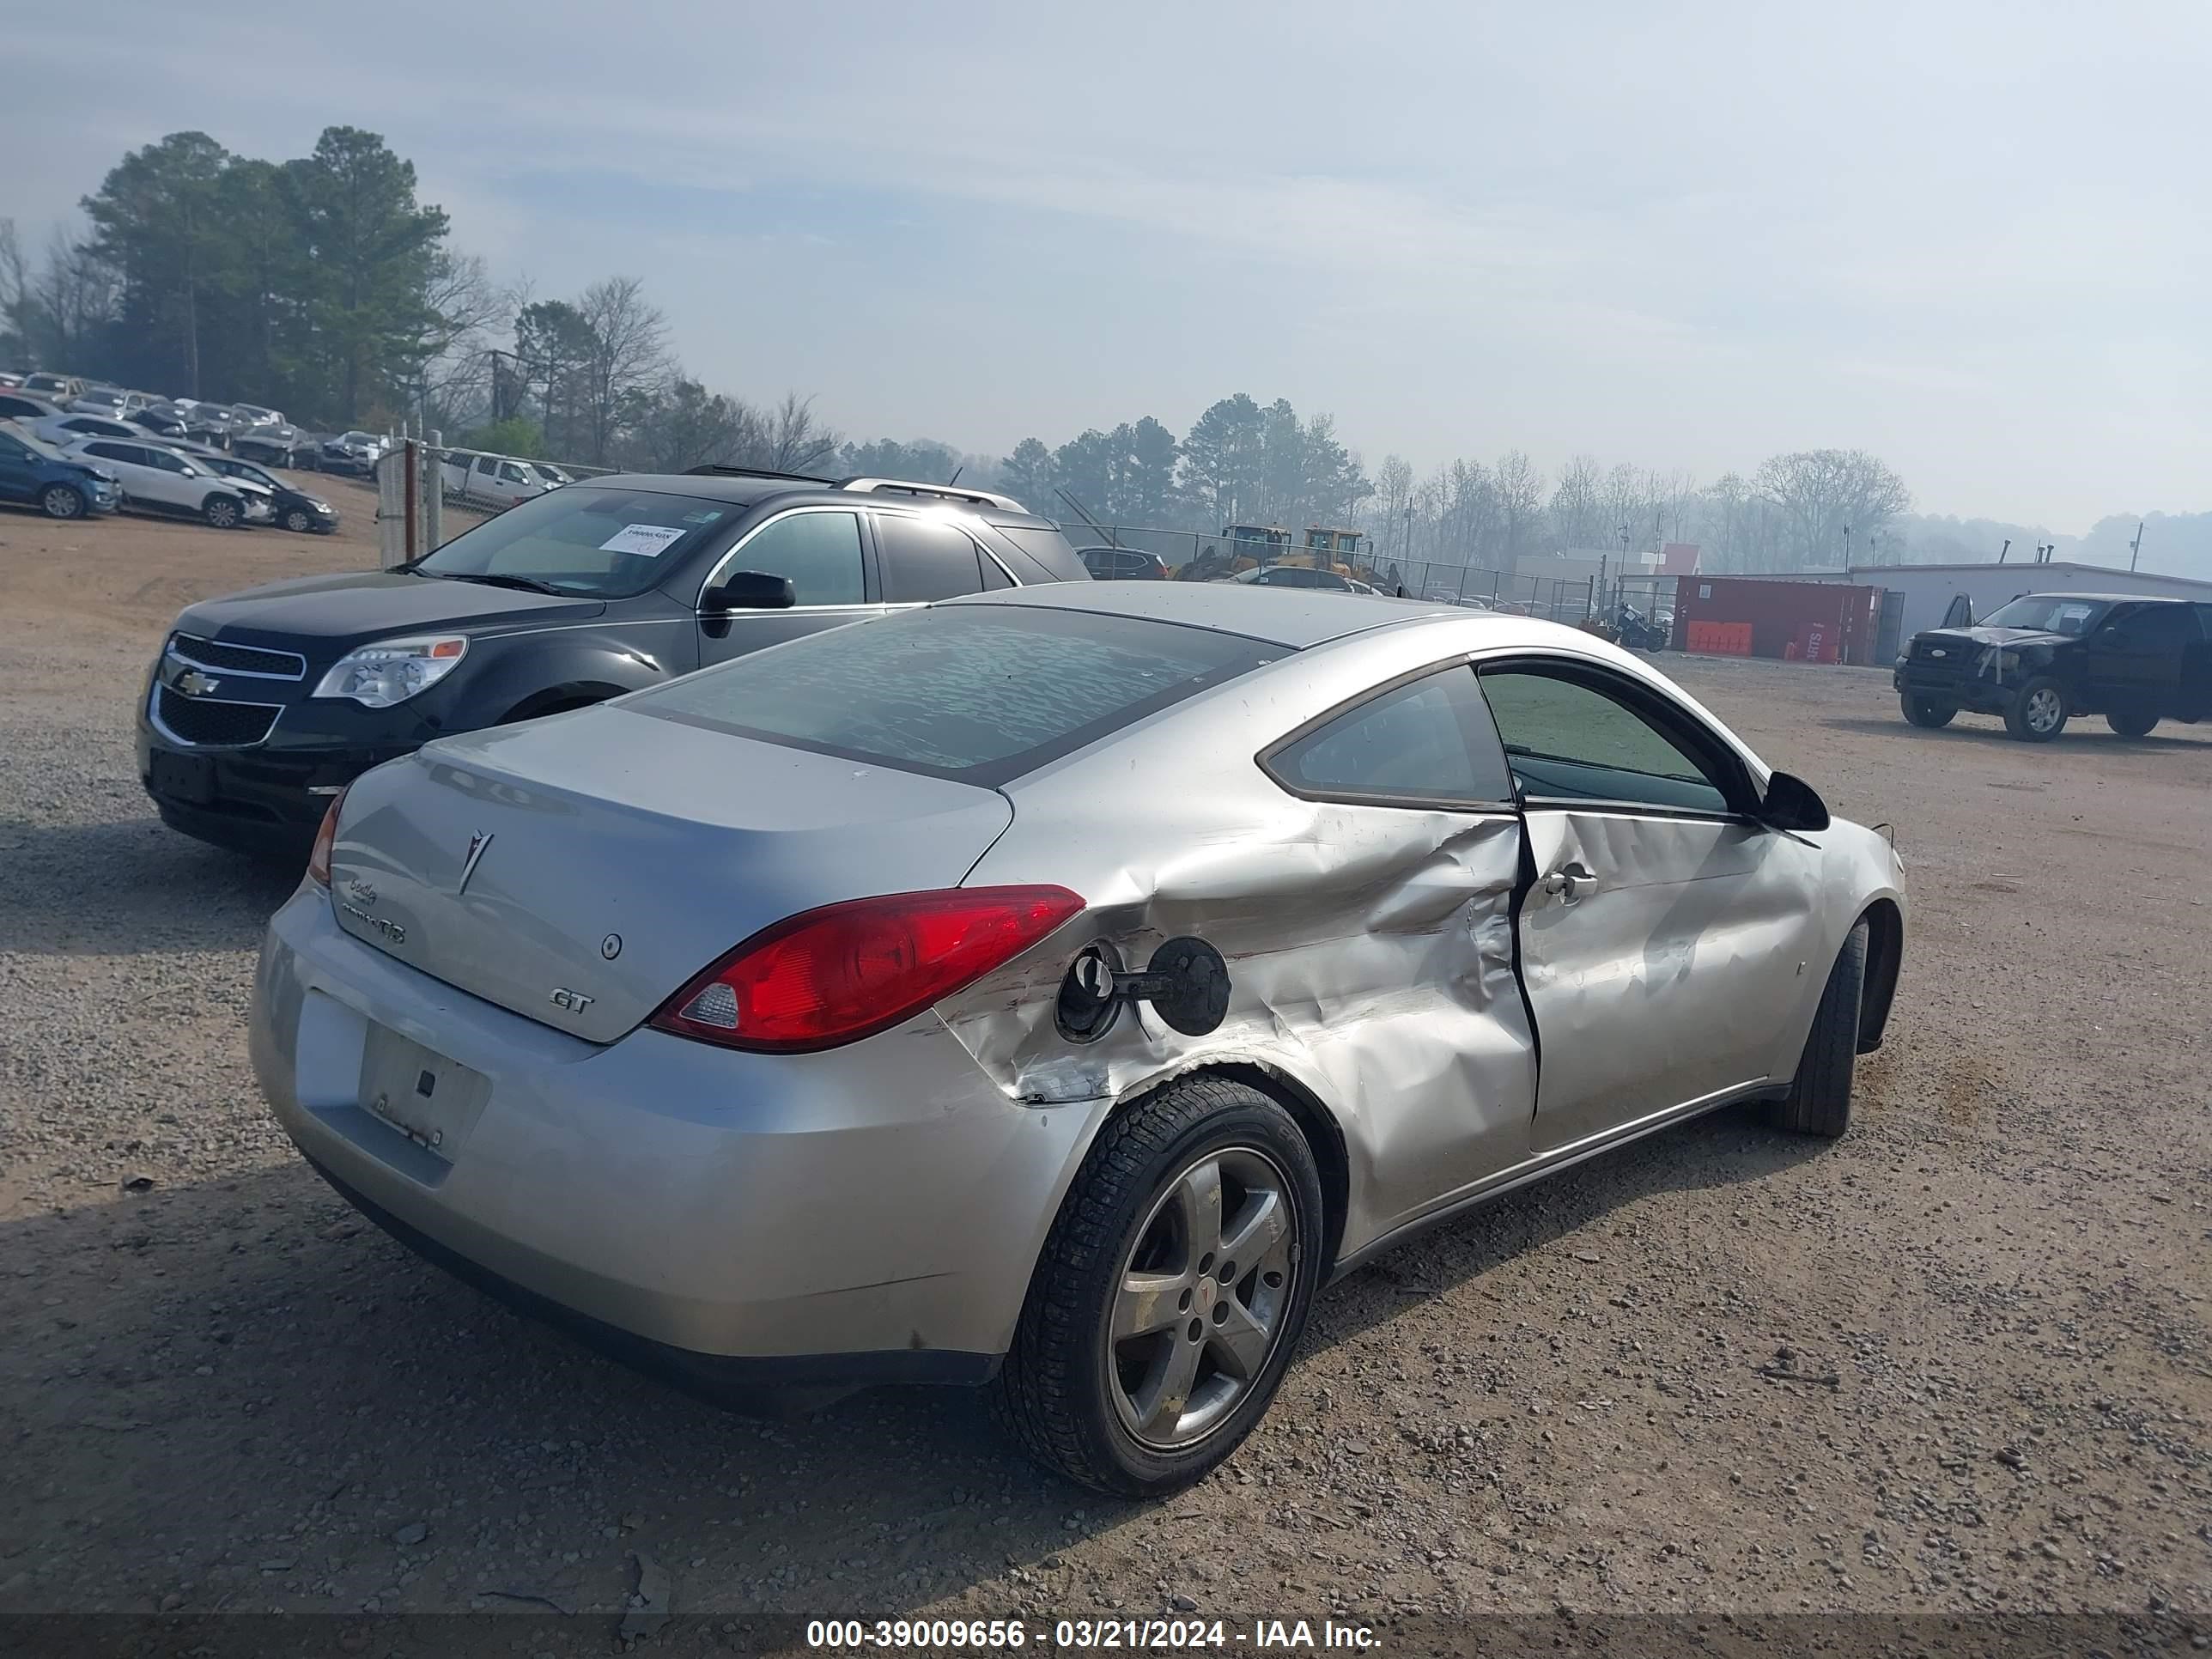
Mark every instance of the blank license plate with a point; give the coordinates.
(184, 777)
(432, 1100)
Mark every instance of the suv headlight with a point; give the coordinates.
(392, 671)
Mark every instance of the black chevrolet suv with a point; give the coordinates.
(2044, 657)
(263, 704)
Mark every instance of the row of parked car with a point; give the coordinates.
(247, 430)
(68, 475)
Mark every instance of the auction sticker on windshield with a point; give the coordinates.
(647, 540)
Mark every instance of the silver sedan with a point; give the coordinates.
(1053, 989)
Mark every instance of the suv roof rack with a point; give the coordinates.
(942, 492)
(717, 470)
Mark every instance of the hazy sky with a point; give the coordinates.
(1974, 239)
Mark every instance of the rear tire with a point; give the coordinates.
(223, 512)
(2037, 711)
(1149, 1411)
(60, 501)
(1819, 1098)
(1920, 711)
(2133, 723)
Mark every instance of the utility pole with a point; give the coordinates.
(2134, 547)
(2006, 549)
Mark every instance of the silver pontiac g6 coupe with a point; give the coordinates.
(1053, 989)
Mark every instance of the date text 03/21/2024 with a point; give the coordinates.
(1105, 1635)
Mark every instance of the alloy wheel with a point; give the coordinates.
(1202, 1298)
(2043, 709)
(61, 502)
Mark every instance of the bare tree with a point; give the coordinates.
(1829, 501)
(76, 295)
(462, 305)
(628, 355)
(16, 304)
(789, 439)
(1577, 507)
(1520, 487)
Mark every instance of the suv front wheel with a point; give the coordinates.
(2037, 711)
(61, 501)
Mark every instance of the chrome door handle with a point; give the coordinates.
(1570, 883)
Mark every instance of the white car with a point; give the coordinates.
(62, 430)
(498, 481)
(155, 476)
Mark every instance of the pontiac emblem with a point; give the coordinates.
(193, 684)
(477, 842)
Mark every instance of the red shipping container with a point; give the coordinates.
(1762, 616)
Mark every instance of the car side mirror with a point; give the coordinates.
(1790, 803)
(749, 589)
(2112, 639)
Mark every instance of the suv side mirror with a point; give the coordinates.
(1790, 803)
(2111, 638)
(749, 589)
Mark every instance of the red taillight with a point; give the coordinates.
(847, 971)
(319, 860)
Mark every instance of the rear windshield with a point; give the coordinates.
(1047, 547)
(608, 543)
(976, 693)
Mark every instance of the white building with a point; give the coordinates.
(1928, 589)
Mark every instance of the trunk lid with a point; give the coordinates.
(617, 854)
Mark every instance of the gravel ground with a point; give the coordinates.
(1957, 1361)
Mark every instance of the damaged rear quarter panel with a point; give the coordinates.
(1370, 949)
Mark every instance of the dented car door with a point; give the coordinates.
(1659, 939)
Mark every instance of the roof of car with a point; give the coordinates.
(745, 489)
(2112, 599)
(1292, 617)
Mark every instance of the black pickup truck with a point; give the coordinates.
(2044, 658)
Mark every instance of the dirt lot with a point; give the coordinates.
(1959, 1360)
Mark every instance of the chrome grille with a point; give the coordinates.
(208, 722)
(238, 659)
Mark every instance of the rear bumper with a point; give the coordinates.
(869, 1214)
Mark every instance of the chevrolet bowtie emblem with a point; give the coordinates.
(193, 684)
(477, 842)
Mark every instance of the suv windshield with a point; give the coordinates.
(2048, 613)
(976, 693)
(577, 539)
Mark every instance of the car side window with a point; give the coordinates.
(820, 552)
(486, 465)
(107, 452)
(168, 463)
(924, 559)
(2159, 630)
(1570, 743)
(1427, 743)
